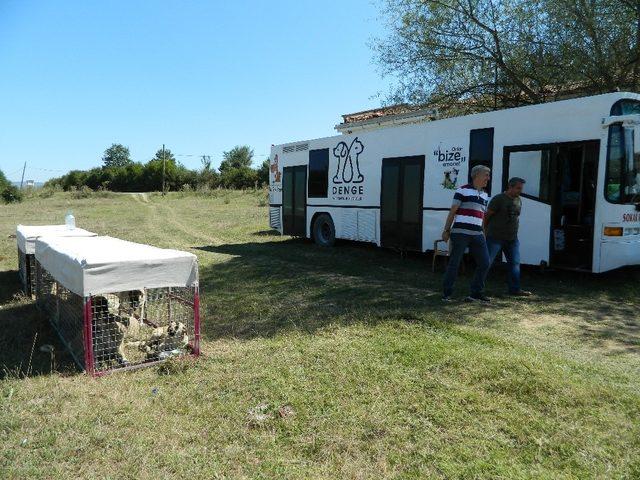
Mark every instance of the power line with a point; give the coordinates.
(13, 173)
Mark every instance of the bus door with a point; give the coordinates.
(401, 202)
(558, 203)
(294, 201)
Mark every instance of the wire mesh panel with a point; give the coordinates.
(69, 323)
(27, 272)
(46, 289)
(22, 269)
(138, 327)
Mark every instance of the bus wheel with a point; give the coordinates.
(324, 233)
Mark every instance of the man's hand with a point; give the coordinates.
(446, 234)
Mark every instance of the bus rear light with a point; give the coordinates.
(613, 231)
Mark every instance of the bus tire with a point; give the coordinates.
(324, 232)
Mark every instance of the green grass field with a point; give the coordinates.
(358, 368)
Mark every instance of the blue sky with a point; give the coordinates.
(199, 76)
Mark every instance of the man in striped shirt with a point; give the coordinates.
(464, 228)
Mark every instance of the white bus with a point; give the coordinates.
(390, 180)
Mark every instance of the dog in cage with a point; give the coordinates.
(132, 304)
(164, 340)
(126, 311)
(108, 333)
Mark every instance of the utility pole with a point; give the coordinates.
(22, 179)
(164, 168)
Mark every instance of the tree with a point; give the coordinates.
(9, 192)
(598, 42)
(237, 157)
(207, 176)
(116, 155)
(168, 156)
(263, 172)
(476, 55)
(239, 178)
(3, 180)
(176, 175)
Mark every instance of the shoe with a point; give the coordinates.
(446, 299)
(478, 298)
(521, 293)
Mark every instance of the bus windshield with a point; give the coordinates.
(623, 167)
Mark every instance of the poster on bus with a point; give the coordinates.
(446, 168)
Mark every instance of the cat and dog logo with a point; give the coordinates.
(450, 181)
(348, 179)
(348, 162)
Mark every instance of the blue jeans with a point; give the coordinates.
(478, 247)
(511, 249)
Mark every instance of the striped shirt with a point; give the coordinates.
(471, 207)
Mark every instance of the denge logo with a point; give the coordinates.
(348, 171)
(349, 190)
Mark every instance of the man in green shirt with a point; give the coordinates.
(501, 226)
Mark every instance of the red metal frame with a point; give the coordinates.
(196, 322)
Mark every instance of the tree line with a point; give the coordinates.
(9, 193)
(464, 56)
(119, 173)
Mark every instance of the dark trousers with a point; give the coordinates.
(478, 247)
(511, 250)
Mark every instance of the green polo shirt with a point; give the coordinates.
(503, 224)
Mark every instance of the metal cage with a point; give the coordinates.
(122, 330)
(27, 272)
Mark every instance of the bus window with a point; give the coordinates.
(318, 173)
(533, 167)
(626, 106)
(615, 159)
(481, 150)
(621, 186)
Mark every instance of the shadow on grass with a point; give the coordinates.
(266, 233)
(23, 330)
(268, 287)
(10, 285)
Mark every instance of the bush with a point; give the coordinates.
(48, 191)
(239, 178)
(82, 192)
(3, 181)
(11, 194)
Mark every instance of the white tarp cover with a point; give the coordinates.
(98, 265)
(26, 235)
